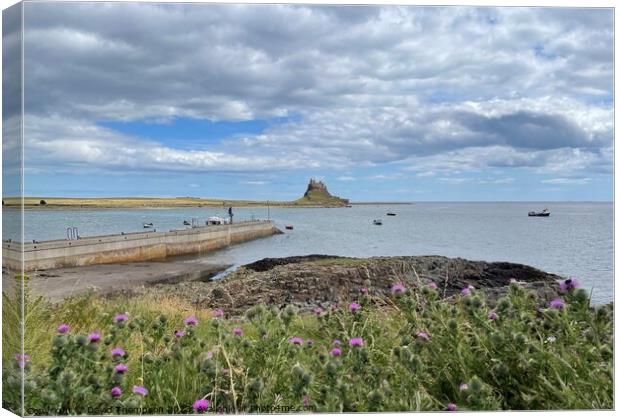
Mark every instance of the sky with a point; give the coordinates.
(382, 102)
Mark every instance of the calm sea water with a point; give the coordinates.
(576, 240)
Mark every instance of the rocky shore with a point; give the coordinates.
(321, 280)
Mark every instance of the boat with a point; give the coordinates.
(147, 225)
(187, 222)
(391, 214)
(377, 222)
(216, 220)
(349, 206)
(545, 212)
(288, 226)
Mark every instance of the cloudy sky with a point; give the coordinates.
(384, 103)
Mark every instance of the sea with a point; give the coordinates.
(575, 241)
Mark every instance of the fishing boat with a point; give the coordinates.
(147, 225)
(186, 222)
(288, 227)
(391, 214)
(216, 220)
(377, 222)
(545, 212)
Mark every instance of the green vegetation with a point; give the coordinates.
(319, 198)
(414, 353)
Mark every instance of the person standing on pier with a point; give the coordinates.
(230, 214)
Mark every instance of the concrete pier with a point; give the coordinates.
(125, 248)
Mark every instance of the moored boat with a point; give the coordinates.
(377, 222)
(147, 225)
(288, 226)
(391, 214)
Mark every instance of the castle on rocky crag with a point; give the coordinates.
(316, 185)
(317, 194)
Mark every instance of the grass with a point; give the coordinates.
(420, 353)
(319, 198)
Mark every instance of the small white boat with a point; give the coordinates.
(377, 222)
(216, 220)
(147, 225)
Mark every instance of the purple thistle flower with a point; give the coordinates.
(463, 387)
(568, 284)
(451, 407)
(466, 291)
(296, 340)
(423, 336)
(337, 342)
(209, 354)
(179, 334)
(122, 317)
(336, 352)
(238, 332)
(398, 288)
(22, 359)
(218, 313)
(306, 401)
(356, 342)
(140, 390)
(191, 321)
(120, 368)
(354, 307)
(201, 405)
(556, 303)
(318, 311)
(116, 392)
(117, 352)
(432, 285)
(364, 290)
(492, 316)
(94, 337)
(63, 328)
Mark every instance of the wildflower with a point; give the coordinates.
(432, 285)
(179, 334)
(238, 332)
(191, 321)
(116, 392)
(398, 288)
(140, 390)
(318, 311)
(201, 405)
(296, 340)
(210, 355)
(218, 313)
(451, 407)
(337, 342)
(306, 401)
(356, 342)
(94, 337)
(118, 352)
(556, 303)
(513, 281)
(423, 336)
(551, 339)
(364, 290)
(568, 284)
(63, 328)
(22, 359)
(466, 291)
(354, 307)
(121, 317)
(336, 352)
(492, 316)
(463, 387)
(120, 368)
(334, 307)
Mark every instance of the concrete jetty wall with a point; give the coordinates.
(140, 246)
